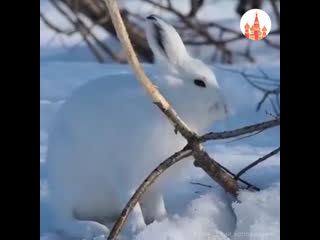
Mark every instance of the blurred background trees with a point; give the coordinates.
(209, 28)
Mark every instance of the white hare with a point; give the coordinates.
(108, 136)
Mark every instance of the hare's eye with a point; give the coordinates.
(199, 83)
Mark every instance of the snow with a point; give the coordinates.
(258, 216)
(198, 208)
(196, 212)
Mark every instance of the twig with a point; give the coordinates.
(54, 27)
(103, 46)
(266, 95)
(249, 185)
(217, 25)
(271, 44)
(240, 131)
(143, 187)
(84, 31)
(201, 184)
(276, 11)
(275, 107)
(248, 75)
(81, 29)
(272, 115)
(274, 152)
(195, 7)
(247, 136)
(267, 92)
(212, 168)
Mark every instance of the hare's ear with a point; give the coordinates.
(164, 41)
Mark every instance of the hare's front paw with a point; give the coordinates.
(87, 230)
(135, 223)
(135, 227)
(95, 231)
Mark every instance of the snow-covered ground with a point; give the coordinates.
(196, 212)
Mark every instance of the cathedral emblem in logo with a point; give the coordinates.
(255, 24)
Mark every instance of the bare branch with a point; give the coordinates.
(201, 184)
(81, 29)
(248, 75)
(145, 82)
(276, 11)
(276, 108)
(96, 11)
(249, 185)
(54, 27)
(102, 45)
(86, 33)
(92, 48)
(274, 152)
(247, 136)
(195, 6)
(212, 168)
(219, 26)
(266, 95)
(241, 131)
(267, 91)
(270, 43)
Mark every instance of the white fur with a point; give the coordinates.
(108, 136)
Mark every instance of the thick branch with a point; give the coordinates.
(249, 185)
(204, 161)
(143, 188)
(152, 91)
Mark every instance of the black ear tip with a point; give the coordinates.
(152, 17)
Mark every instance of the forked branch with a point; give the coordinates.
(194, 146)
(202, 159)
